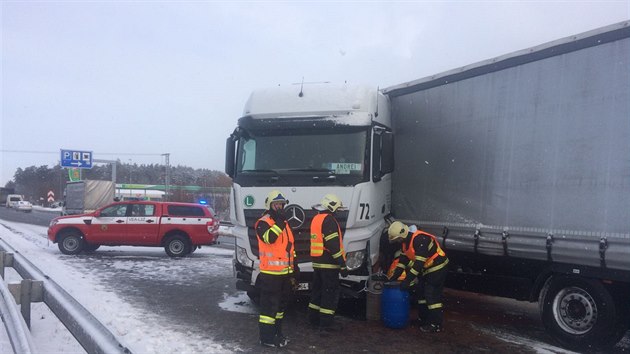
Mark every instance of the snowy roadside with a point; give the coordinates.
(129, 324)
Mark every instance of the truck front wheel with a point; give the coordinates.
(177, 246)
(71, 242)
(580, 313)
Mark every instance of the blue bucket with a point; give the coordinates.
(394, 305)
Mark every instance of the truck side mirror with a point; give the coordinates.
(376, 156)
(382, 154)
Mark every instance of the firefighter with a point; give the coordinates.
(425, 263)
(277, 269)
(329, 261)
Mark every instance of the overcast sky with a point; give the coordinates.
(134, 80)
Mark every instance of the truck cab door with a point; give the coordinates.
(110, 226)
(143, 224)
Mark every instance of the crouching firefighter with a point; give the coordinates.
(329, 260)
(277, 268)
(425, 264)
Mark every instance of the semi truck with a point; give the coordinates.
(307, 142)
(518, 164)
(86, 196)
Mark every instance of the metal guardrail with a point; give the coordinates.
(17, 329)
(93, 336)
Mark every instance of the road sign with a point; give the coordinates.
(76, 159)
(51, 196)
(74, 174)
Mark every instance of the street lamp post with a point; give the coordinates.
(167, 176)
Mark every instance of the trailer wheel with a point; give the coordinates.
(177, 246)
(580, 313)
(71, 242)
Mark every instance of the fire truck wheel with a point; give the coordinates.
(71, 242)
(177, 246)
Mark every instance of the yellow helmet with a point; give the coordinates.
(397, 231)
(331, 202)
(274, 196)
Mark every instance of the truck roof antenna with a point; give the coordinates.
(301, 87)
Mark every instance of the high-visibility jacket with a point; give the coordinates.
(327, 245)
(276, 258)
(432, 259)
(392, 270)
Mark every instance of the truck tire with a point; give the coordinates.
(177, 246)
(71, 242)
(580, 313)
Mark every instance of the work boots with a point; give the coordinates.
(280, 339)
(267, 335)
(431, 328)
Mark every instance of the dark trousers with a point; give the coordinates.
(429, 293)
(324, 296)
(275, 291)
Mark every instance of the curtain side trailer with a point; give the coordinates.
(521, 165)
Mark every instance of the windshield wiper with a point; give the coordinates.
(311, 169)
(260, 171)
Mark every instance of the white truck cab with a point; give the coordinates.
(307, 142)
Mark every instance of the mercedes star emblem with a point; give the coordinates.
(295, 215)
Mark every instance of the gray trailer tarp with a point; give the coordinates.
(531, 144)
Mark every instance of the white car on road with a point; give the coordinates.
(24, 206)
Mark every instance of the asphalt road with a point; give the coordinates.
(36, 217)
(188, 293)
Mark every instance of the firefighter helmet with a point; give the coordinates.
(397, 231)
(274, 196)
(331, 202)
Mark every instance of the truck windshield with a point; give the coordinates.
(338, 156)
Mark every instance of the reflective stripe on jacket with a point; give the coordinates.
(428, 263)
(323, 257)
(275, 258)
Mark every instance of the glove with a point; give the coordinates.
(381, 277)
(280, 219)
(343, 271)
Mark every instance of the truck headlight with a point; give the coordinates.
(354, 259)
(243, 258)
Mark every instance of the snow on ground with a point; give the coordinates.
(539, 347)
(129, 324)
(238, 303)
